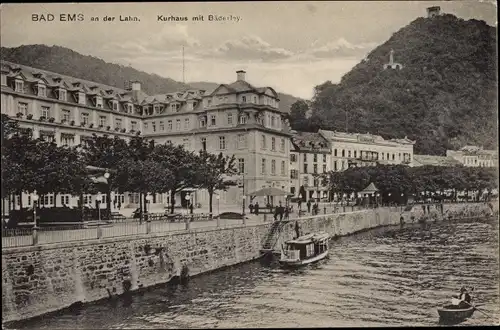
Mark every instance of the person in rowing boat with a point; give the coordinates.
(464, 299)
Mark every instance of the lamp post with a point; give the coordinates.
(149, 198)
(98, 200)
(217, 197)
(108, 195)
(187, 198)
(35, 200)
(243, 207)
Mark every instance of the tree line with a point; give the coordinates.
(138, 166)
(397, 183)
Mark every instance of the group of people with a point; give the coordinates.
(315, 206)
(279, 211)
(463, 299)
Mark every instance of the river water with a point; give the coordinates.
(383, 277)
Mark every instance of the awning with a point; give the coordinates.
(271, 191)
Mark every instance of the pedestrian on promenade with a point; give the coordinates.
(299, 204)
(309, 206)
(119, 205)
(281, 211)
(191, 208)
(250, 207)
(114, 203)
(287, 212)
(256, 208)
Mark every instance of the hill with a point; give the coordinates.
(68, 62)
(444, 97)
(286, 100)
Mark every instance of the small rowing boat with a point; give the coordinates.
(450, 313)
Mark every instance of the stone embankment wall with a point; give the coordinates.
(45, 278)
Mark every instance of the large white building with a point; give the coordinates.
(355, 149)
(473, 156)
(235, 119)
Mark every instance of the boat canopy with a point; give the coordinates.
(309, 238)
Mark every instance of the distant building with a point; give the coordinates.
(474, 156)
(392, 65)
(433, 11)
(423, 160)
(310, 156)
(354, 149)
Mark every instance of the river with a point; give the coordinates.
(383, 277)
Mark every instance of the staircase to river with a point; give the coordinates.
(273, 236)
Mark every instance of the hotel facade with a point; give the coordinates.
(235, 119)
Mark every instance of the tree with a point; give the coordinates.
(213, 172)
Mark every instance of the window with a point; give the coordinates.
(263, 166)
(45, 112)
(98, 102)
(204, 144)
(282, 167)
(67, 139)
(66, 115)
(186, 123)
(387, 156)
(222, 142)
(273, 167)
(102, 121)
(315, 158)
(22, 108)
(293, 158)
(343, 153)
(242, 141)
(115, 105)
(294, 174)
(305, 158)
(263, 141)
(133, 125)
(335, 165)
(243, 119)
(3, 80)
(146, 126)
(162, 126)
(118, 123)
(255, 100)
(229, 118)
(178, 124)
(355, 154)
(169, 125)
(241, 165)
(273, 144)
(324, 168)
(272, 121)
(19, 86)
(212, 120)
(185, 144)
(202, 122)
(335, 152)
(244, 99)
(305, 168)
(153, 126)
(349, 154)
(282, 145)
(315, 168)
(324, 158)
(42, 91)
(393, 156)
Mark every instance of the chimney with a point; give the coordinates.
(240, 75)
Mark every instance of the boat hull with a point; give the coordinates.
(300, 263)
(450, 314)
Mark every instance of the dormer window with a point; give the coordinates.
(195, 104)
(81, 98)
(62, 94)
(19, 86)
(98, 102)
(42, 91)
(156, 108)
(114, 105)
(130, 108)
(255, 100)
(244, 99)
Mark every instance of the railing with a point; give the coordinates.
(159, 223)
(292, 254)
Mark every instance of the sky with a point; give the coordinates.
(290, 46)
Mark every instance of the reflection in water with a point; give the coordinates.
(395, 277)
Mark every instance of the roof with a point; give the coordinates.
(363, 138)
(309, 238)
(309, 141)
(434, 160)
(371, 188)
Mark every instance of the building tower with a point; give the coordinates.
(433, 11)
(392, 64)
